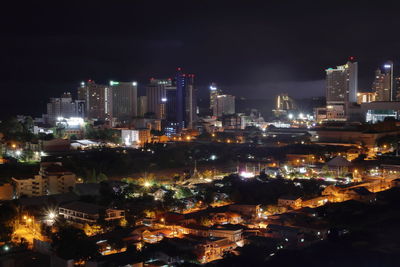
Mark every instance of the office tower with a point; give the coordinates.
(283, 104)
(124, 99)
(64, 107)
(142, 105)
(97, 98)
(170, 104)
(224, 105)
(156, 96)
(341, 85)
(186, 100)
(383, 83)
(214, 92)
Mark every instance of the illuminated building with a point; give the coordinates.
(65, 107)
(156, 92)
(186, 100)
(224, 105)
(378, 111)
(366, 97)
(284, 103)
(124, 99)
(341, 86)
(97, 99)
(383, 83)
(214, 92)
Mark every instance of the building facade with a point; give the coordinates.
(124, 99)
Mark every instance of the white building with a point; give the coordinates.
(53, 178)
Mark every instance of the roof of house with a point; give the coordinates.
(83, 207)
(339, 161)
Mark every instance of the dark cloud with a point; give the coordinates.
(252, 48)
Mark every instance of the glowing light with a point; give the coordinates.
(213, 88)
(6, 248)
(247, 174)
(113, 83)
(18, 152)
(290, 116)
(134, 83)
(52, 215)
(147, 184)
(213, 157)
(163, 99)
(387, 66)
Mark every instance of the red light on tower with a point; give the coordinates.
(352, 58)
(178, 69)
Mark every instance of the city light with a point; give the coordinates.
(245, 174)
(290, 116)
(147, 184)
(387, 66)
(213, 157)
(213, 88)
(134, 83)
(163, 99)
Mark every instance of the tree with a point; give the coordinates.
(8, 214)
(73, 243)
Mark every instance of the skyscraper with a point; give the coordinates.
(214, 92)
(224, 105)
(124, 99)
(283, 104)
(383, 84)
(156, 96)
(341, 85)
(97, 99)
(186, 100)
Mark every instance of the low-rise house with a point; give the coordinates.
(290, 201)
(82, 213)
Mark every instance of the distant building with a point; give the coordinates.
(342, 85)
(63, 107)
(283, 104)
(137, 137)
(186, 100)
(214, 92)
(224, 105)
(156, 92)
(383, 83)
(289, 201)
(97, 99)
(366, 97)
(378, 111)
(124, 99)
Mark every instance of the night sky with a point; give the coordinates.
(253, 49)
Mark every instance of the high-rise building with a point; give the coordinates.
(342, 84)
(383, 84)
(186, 100)
(142, 105)
(284, 103)
(124, 99)
(97, 99)
(64, 107)
(156, 96)
(214, 92)
(224, 105)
